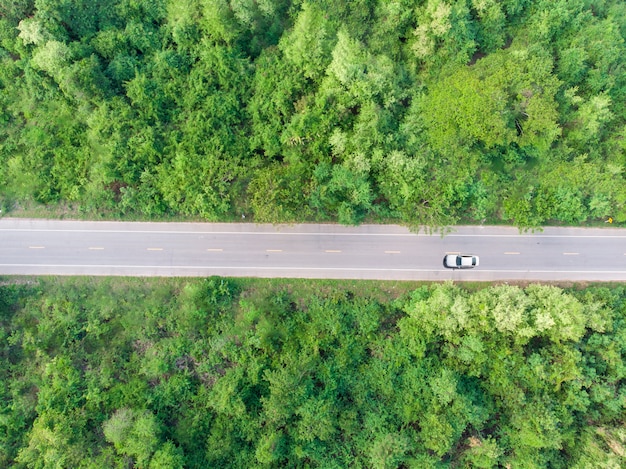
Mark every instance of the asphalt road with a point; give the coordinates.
(47, 247)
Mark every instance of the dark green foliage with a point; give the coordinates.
(422, 112)
(236, 373)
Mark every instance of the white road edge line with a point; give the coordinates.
(347, 269)
(279, 233)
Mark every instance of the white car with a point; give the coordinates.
(460, 261)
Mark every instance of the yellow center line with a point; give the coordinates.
(274, 250)
(332, 250)
(155, 249)
(35, 247)
(511, 253)
(392, 252)
(96, 249)
(570, 253)
(214, 250)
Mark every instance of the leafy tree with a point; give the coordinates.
(348, 59)
(52, 57)
(51, 443)
(308, 45)
(167, 457)
(278, 194)
(15, 10)
(134, 434)
(393, 20)
(505, 98)
(482, 453)
(343, 192)
(273, 101)
(443, 33)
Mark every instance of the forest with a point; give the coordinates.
(419, 112)
(198, 373)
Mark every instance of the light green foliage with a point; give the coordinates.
(601, 448)
(31, 31)
(471, 109)
(346, 193)
(277, 86)
(308, 45)
(407, 182)
(505, 98)
(508, 307)
(393, 19)
(388, 450)
(50, 443)
(591, 117)
(218, 21)
(52, 57)
(444, 34)
(348, 64)
(482, 453)
(555, 315)
(268, 449)
(538, 313)
(167, 457)
(192, 183)
(434, 19)
(278, 194)
(183, 17)
(133, 433)
(549, 18)
(491, 25)
(253, 24)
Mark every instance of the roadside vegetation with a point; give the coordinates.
(423, 112)
(197, 373)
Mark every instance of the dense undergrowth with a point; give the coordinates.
(424, 112)
(218, 372)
